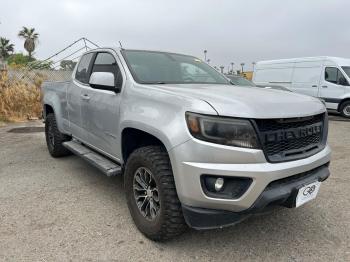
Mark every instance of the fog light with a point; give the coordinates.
(219, 183)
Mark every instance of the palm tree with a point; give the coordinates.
(31, 39)
(5, 48)
(242, 65)
(232, 67)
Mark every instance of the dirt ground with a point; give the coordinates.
(66, 210)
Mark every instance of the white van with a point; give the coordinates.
(325, 77)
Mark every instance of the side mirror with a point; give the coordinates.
(102, 80)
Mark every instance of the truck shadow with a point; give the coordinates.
(267, 235)
(334, 116)
(271, 232)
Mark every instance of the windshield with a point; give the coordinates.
(346, 70)
(149, 67)
(240, 81)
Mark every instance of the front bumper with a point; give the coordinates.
(194, 158)
(280, 192)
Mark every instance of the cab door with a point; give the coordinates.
(75, 101)
(101, 109)
(333, 86)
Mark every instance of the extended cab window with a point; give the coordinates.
(333, 75)
(106, 62)
(82, 74)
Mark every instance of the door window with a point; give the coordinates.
(82, 74)
(333, 75)
(106, 62)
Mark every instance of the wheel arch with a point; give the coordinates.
(342, 102)
(51, 104)
(47, 109)
(133, 138)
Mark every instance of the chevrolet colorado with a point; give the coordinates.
(192, 148)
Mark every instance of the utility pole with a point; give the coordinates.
(205, 55)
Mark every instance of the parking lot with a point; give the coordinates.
(64, 209)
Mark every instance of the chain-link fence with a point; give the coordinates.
(20, 85)
(34, 75)
(20, 91)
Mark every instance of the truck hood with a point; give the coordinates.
(249, 102)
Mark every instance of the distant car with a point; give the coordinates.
(327, 78)
(241, 81)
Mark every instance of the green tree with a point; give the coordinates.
(21, 60)
(67, 64)
(18, 59)
(40, 64)
(5, 48)
(30, 39)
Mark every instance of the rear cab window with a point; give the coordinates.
(82, 74)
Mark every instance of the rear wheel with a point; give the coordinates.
(345, 109)
(54, 138)
(151, 194)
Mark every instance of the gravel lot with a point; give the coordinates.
(64, 209)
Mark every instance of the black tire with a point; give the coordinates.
(54, 138)
(345, 109)
(169, 221)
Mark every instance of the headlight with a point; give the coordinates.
(224, 131)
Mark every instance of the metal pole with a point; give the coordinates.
(85, 44)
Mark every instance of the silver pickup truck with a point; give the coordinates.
(193, 149)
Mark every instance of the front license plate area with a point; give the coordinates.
(307, 193)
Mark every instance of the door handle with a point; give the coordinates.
(314, 86)
(324, 86)
(85, 97)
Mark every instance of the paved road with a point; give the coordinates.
(63, 209)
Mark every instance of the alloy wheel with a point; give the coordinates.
(146, 193)
(346, 110)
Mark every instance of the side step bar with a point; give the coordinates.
(108, 167)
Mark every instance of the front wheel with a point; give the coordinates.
(345, 109)
(151, 194)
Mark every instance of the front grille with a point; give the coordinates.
(291, 138)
